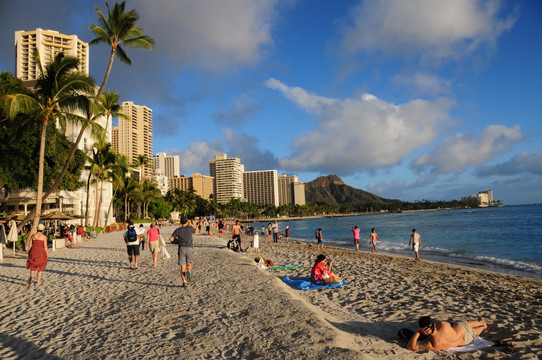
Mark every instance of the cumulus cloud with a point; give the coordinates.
(210, 34)
(246, 148)
(360, 133)
(423, 83)
(521, 163)
(446, 29)
(463, 150)
(195, 159)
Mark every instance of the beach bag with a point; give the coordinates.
(132, 235)
(162, 241)
(165, 253)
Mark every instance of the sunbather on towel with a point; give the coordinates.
(442, 335)
(321, 274)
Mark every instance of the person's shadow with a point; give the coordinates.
(18, 349)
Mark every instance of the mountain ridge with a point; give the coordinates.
(332, 190)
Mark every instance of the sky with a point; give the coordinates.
(411, 100)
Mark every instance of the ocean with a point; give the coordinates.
(504, 239)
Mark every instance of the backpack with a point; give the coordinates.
(132, 235)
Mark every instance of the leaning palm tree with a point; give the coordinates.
(60, 92)
(117, 30)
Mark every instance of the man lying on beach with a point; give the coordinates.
(442, 335)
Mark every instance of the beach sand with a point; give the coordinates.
(92, 306)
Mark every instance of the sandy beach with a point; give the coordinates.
(92, 306)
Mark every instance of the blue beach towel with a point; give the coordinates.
(306, 284)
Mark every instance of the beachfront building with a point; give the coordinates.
(161, 181)
(228, 178)
(261, 187)
(485, 198)
(291, 191)
(169, 165)
(202, 184)
(135, 135)
(115, 138)
(50, 43)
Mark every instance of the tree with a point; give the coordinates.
(111, 107)
(60, 92)
(117, 30)
(140, 162)
(117, 175)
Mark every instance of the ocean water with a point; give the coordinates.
(505, 239)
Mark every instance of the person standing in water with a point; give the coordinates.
(373, 239)
(416, 241)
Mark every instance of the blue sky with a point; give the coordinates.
(411, 100)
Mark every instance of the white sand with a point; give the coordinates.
(92, 306)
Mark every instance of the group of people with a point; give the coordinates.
(415, 240)
(141, 239)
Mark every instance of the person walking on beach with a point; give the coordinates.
(220, 228)
(183, 236)
(416, 241)
(287, 233)
(236, 232)
(37, 255)
(372, 240)
(141, 236)
(319, 239)
(153, 235)
(132, 245)
(442, 335)
(275, 229)
(355, 232)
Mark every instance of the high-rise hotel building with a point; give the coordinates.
(291, 191)
(261, 187)
(167, 165)
(49, 43)
(135, 135)
(202, 184)
(228, 178)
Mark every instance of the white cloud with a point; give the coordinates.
(423, 83)
(463, 150)
(196, 157)
(209, 34)
(438, 29)
(521, 163)
(246, 148)
(360, 133)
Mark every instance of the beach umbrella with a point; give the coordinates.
(57, 216)
(12, 235)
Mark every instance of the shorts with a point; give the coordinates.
(154, 246)
(467, 331)
(356, 241)
(320, 241)
(133, 250)
(416, 247)
(186, 255)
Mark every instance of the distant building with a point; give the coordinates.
(168, 165)
(135, 135)
(115, 139)
(291, 191)
(162, 181)
(485, 198)
(261, 187)
(202, 185)
(49, 43)
(228, 178)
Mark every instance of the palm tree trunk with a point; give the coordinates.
(41, 166)
(96, 200)
(88, 196)
(109, 66)
(110, 205)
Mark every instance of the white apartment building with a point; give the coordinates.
(228, 178)
(169, 165)
(291, 191)
(162, 181)
(261, 187)
(135, 135)
(49, 43)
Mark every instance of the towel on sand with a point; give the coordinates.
(476, 344)
(305, 284)
(285, 267)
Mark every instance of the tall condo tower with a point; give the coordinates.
(168, 164)
(291, 191)
(228, 178)
(49, 43)
(261, 187)
(135, 135)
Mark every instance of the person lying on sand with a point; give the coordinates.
(321, 274)
(442, 335)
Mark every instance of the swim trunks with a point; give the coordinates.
(467, 330)
(416, 247)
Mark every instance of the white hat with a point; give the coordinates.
(41, 227)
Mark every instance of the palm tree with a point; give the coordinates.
(103, 158)
(149, 191)
(60, 91)
(131, 187)
(111, 107)
(119, 28)
(117, 175)
(140, 162)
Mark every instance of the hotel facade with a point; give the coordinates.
(228, 178)
(202, 184)
(261, 187)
